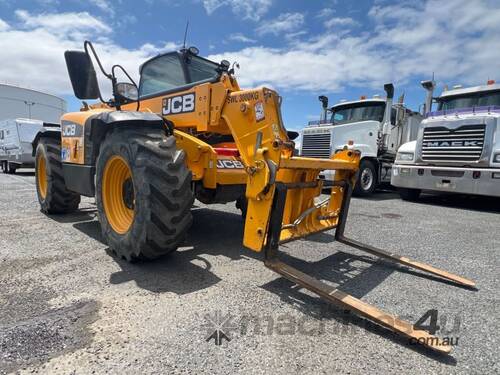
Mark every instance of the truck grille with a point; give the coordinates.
(463, 144)
(316, 145)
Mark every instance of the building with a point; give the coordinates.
(18, 102)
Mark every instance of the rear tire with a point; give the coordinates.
(11, 168)
(51, 189)
(366, 182)
(153, 214)
(409, 194)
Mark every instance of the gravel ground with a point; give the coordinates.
(68, 306)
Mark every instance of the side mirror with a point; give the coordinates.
(82, 75)
(126, 91)
(292, 135)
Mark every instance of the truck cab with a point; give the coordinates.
(374, 126)
(458, 145)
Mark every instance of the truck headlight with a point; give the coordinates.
(405, 156)
(496, 158)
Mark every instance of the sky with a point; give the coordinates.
(302, 49)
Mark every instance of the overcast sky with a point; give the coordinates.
(343, 49)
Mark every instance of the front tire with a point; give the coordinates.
(367, 179)
(143, 193)
(51, 189)
(409, 194)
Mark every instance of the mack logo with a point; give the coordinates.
(178, 104)
(451, 144)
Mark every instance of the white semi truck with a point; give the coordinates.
(458, 146)
(374, 126)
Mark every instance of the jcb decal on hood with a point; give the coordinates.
(229, 164)
(70, 129)
(179, 104)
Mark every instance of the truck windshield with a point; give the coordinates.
(166, 73)
(358, 112)
(477, 99)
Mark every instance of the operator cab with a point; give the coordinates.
(468, 98)
(175, 71)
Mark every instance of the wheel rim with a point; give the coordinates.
(41, 176)
(366, 179)
(118, 194)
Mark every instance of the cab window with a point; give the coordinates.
(201, 69)
(161, 74)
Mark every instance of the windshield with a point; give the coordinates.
(200, 69)
(166, 73)
(477, 99)
(358, 112)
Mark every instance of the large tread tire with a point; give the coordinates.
(361, 189)
(410, 195)
(162, 193)
(58, 198)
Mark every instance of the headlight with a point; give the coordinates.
(405, 156)
(496, 158)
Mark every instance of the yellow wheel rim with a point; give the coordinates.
(118, 194)
(41, 176)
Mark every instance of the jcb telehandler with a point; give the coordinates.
(188, 131)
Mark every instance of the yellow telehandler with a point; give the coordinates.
(188, 131)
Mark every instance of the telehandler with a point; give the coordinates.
(188, 131)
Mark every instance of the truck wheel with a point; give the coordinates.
(409, 194)
(11, 168)
(51, 189)
(367, 179)
(143, 193)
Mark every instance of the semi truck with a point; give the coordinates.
(458, 145)
(376, 127)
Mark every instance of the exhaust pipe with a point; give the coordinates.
(324, 103)
(386, 123)
(429, 87)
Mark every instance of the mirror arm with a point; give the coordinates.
(85, 46)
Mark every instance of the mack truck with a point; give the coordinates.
(458, 145)
(376, 127)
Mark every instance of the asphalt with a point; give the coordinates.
(67, 305)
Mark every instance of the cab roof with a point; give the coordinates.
(368, 100)
(469, 90)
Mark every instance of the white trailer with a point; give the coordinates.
(16, 150)
(375, 126)
(458, 146)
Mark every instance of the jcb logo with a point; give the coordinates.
(179, 104)
(229, 164)
(70, 129)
